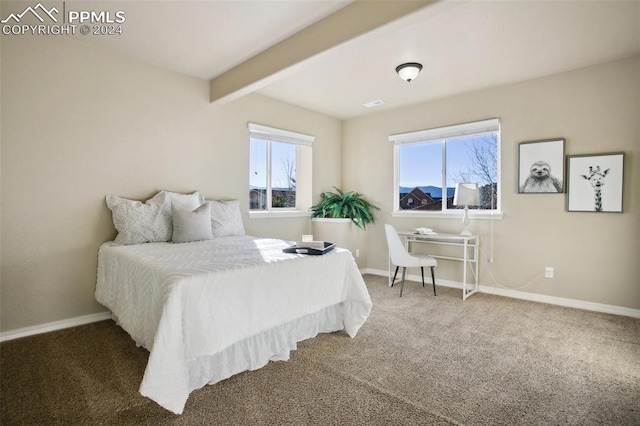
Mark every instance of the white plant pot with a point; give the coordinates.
(343, 233)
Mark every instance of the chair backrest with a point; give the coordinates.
(397, 252)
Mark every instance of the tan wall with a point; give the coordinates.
(79, 123)
(596, 109)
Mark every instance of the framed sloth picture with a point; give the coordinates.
(595, 182)
(541, 167)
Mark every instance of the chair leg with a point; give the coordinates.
(422, 273)
(404, 271)
(393, 281)
(433, 280)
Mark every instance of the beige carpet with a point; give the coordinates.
(418, 360)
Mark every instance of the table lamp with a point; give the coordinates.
(466, 195)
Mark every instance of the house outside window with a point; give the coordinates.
(429, 163)
(280, 165)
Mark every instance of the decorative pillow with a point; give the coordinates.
(138, 222)
(147, 222)
(185, 201)
(191, 225)
(226, 219)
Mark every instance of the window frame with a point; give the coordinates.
(440, 135)
(271, 134)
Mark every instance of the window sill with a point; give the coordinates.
(277, 214)
(449, 215)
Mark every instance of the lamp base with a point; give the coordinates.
(465, 223)
(466, 233)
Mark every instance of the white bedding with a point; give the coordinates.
(207, 310)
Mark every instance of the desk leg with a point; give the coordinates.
(476, 250)
(465, 258)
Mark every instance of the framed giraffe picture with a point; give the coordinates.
(595, 182)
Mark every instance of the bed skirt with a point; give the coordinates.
(251, 353)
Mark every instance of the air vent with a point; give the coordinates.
(374, 103)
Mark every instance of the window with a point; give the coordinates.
(429, 163)
(280, 164)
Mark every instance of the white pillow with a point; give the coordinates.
(192, 201)
(184, 201)
(191, 225)
(226, 219)
(138, 222)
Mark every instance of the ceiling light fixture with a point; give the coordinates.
(374, 103)
(409, 71)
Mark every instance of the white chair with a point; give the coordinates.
(401, 257)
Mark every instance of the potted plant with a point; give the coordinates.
(334, 218)
(345, 205)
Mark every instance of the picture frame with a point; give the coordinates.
(595, 182)
(541, 167)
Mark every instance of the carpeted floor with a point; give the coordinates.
(418, 360)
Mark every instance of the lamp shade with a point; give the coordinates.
(467, 194)
(409, 71)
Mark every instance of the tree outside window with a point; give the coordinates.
(429, 164)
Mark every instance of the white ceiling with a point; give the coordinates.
(203, 38)
(463, 45)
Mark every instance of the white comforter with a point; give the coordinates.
(210, 309)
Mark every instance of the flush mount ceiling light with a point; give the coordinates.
(408, 71)
(374, 103)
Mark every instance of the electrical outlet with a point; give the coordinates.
(548, 272)
(357, 252)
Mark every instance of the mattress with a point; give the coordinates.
(207, 310)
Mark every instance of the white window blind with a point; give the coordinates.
(449, 132)
(279, 135)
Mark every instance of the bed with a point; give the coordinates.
(207, 310)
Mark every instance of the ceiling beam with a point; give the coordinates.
(348, 23)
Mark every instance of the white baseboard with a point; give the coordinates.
(533, 297)
(515, 294)
(53, 326)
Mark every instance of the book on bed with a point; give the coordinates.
(310, 247)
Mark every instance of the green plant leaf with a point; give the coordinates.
(350, 205)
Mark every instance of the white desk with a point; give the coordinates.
(470, 250)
